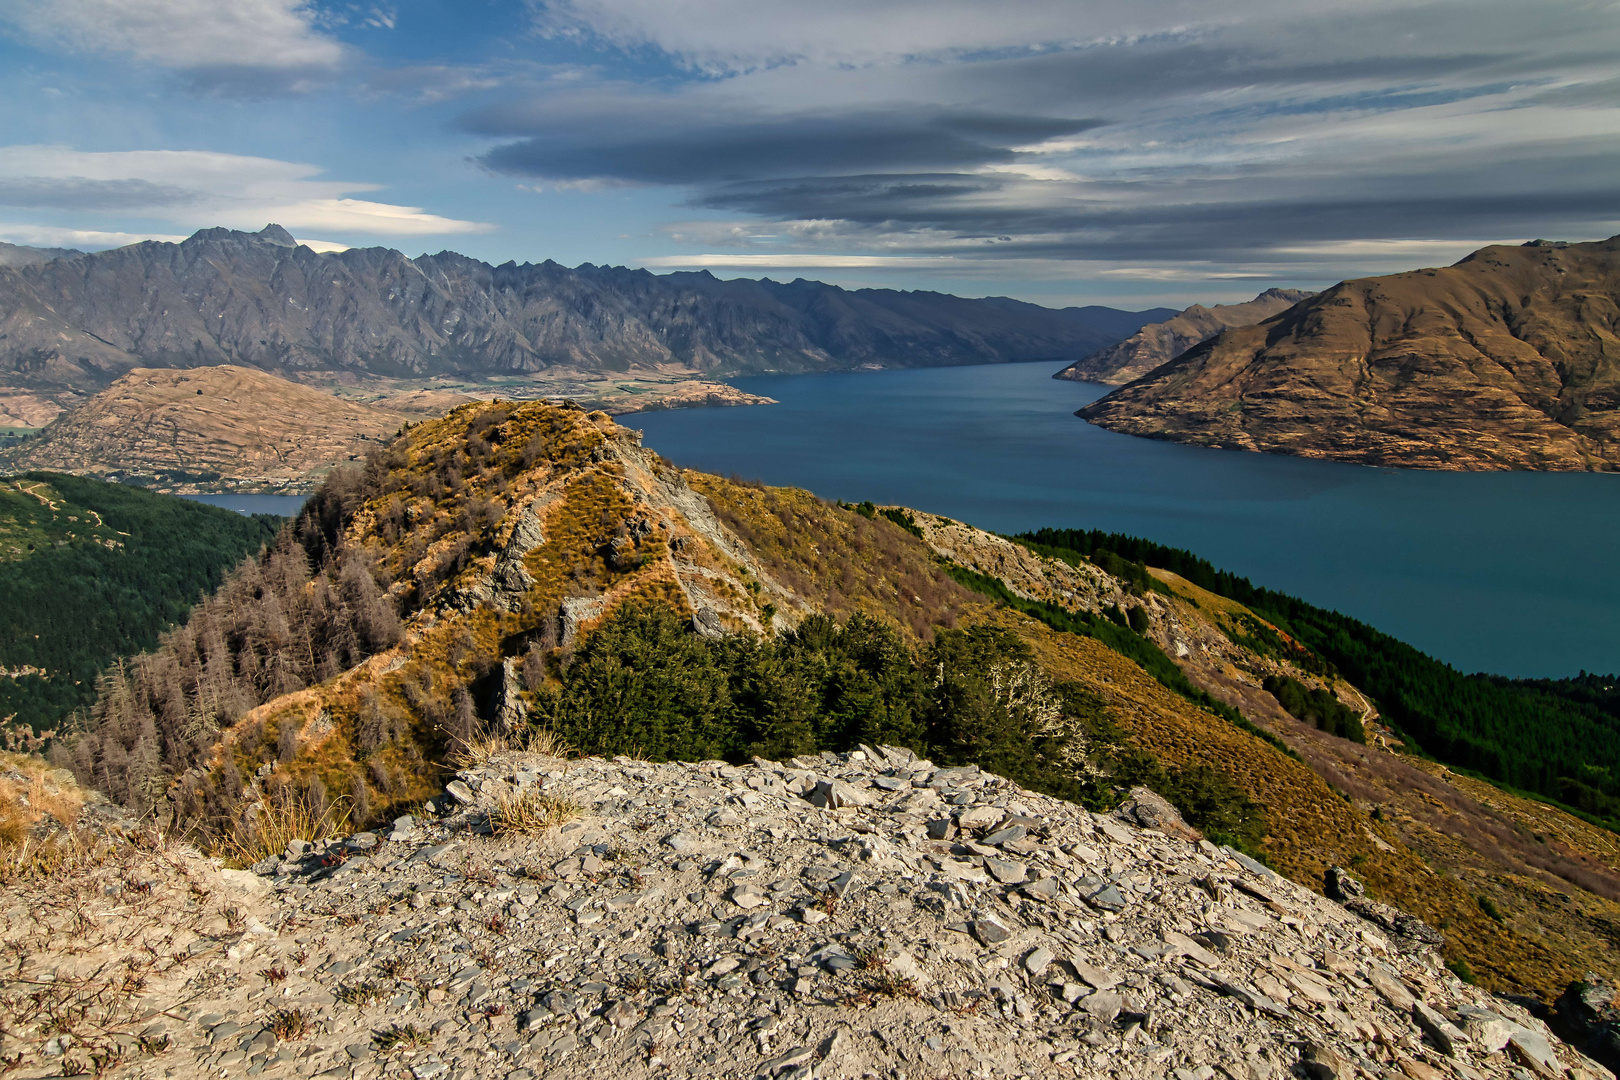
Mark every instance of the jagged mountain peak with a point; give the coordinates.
(257, 300)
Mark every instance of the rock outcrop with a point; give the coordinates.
(1159, 343)
(1509, 359)
(570, 919)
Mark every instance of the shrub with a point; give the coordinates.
(1317, 707)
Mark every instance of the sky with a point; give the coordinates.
(1126, 152)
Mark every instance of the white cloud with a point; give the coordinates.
(198, 188)
(800, 262)
(84, 239)
(275, 35)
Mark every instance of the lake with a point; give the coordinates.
(282, 505)
(1507, 572)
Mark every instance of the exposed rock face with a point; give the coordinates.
(257, 300)
(1508, 360)
(212, 428)
(700, 920)
(1159, 343)
(1589, 1016)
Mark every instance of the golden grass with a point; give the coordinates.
(847, 562)
(1312, 827)
(530, 812)
(480, 750)
(1205, 599)
(277, 824)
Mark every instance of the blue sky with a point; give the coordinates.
(1131, 152)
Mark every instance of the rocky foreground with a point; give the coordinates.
(860, 915)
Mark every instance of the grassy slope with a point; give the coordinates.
(1311, 825)
(1520, 736)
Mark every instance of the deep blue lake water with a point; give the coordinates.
(1514, 573)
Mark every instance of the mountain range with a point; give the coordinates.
(1509, 359)
(1159, 343)
(19, 255)
(263, 301)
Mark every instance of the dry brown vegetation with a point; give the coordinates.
(845, 562)
(1442, 841)
(530, 812)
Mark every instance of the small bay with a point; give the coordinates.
(248, 503)
(1514, 573)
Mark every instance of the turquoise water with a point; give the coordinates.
(1514, 573)
(283, 505)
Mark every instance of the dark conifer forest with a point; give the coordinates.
(1559, 739)
(92, 571)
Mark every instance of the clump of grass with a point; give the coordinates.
(477, 751)
(360, 995)
(395, 967)
(278, 823)
(546, 742)
(290, 1024)
(1488, 906)
(888, 984)
(530, 812)
(871, 959)
(401, 1038)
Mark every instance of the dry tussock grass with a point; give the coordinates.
(41, 792)
(480, 750)
(530, 812)
(276, 824)
(848, 562)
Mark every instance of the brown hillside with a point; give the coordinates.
(211, 428)
(1509, 359)
(1159, 343)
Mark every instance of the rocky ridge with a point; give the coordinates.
(852, 915)
(1159, 343)
(1509, 359)
(576, 521)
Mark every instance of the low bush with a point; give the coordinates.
(1316, 707)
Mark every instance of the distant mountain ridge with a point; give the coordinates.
(260, 300)
(1159, 343)
(1508, 359)
(20, 255)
